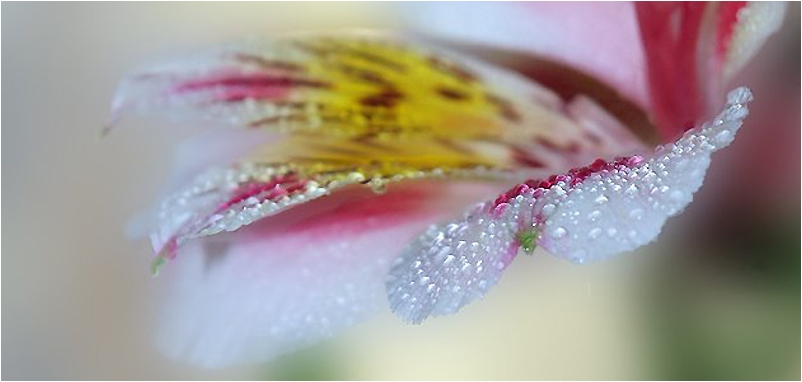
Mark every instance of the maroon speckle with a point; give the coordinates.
(525, 158)
(572, 147)
(548, 144)
(505, 107)
(387, 99)
(452, 69)
(266, 63)
(452, 94)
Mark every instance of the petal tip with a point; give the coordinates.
(450, 266)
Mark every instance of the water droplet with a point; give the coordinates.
(601, 199)
(378, 186)
(442, 253)
(723, 137)
(548, 209)
(632, 190)
(356, 177)
(594, 233)
(449, 259)
(559, 232)
(595, 215)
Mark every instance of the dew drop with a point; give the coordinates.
(449, 259)
(442, 253)
(559, 232)
(594, 233)
(378, 186)
(676, 195)
(601, 199)
(723, 137)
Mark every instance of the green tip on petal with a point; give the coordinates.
(527, 239)
(157, 264)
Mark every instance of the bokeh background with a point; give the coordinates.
(717, 297)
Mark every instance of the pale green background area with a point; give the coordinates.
(79, 302)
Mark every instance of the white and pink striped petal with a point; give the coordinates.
(588, 214)
(284, 283)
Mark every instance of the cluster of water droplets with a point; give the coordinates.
(195, 210)
(450, 265)
(618, 208)
(623, 208)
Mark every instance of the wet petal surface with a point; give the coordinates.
(587, 214)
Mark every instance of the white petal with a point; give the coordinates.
(619, 210)
(285, 283)
(588, 214)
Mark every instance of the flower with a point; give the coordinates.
(277, 246)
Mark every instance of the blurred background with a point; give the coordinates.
(717, 297)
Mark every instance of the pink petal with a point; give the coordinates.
(672, 59)
(284, 283)
(598, 38)
(588, 214)
(221, 85)
(692, 49)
